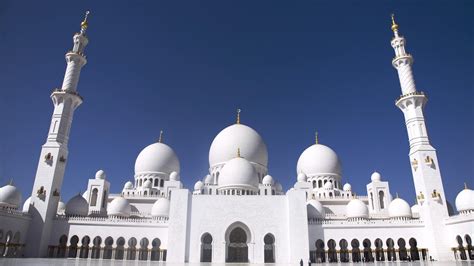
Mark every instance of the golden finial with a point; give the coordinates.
(160, 139)
(394, 24)
(396, 195)
(238, 115)
(316, 137)
(238, 152)
(84, 23)
(465, 185)
(11, 182)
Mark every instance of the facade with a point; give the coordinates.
(237, 212)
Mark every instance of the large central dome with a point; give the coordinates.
(319, 160)
(238, 136)
(157, 158)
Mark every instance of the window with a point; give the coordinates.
(381, 199)
(95, 191)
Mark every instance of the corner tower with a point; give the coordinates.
(423, 159)
(54, 153)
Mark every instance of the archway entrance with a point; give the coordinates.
(237, 249)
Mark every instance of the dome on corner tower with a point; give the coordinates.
(237, 136)
(399, 208)
(10, 196)
(319, 160)
(77, 206)
(157, 158)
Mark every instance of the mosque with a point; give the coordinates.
(238, 212)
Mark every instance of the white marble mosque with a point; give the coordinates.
(238, 212)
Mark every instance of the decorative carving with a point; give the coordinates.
(48, 157)
(435, 194)
(429, 161)
(420, 196)
(56, 193)
(414, 164)
(62, 159)
(41, 191)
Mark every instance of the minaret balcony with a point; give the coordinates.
(402, 59)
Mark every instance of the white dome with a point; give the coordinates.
(208, 179)
(328, 186)
(225, 144)
(119, 207)
(399, 208)
(376, 177)
(302, 177)
(26, 205)
(128, 185)
(278, 187)
(415, 209)
(198, 185)
(318, 160)
(61, 208)
(238, 172)
(347, 187)
(267, 180)
(315, 209)
(161, 208)
(147, 184)
(357, 209)
(77, 206)
(174, 176)
(10, 196)
(157, 158)
(465, 200)
(100, 174)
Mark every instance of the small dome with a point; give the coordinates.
(319, 160)
(10, 196)
(77, 206)
(26, 205)
(119, 207)
(328, 186)
(208, 179)
(100, 174)
(157, 158)
(315, 209)
(376, 177)
(174, 176)
(465, 200)
(198, 185)
(147, 184)
(357, 209)
(61, 208)
(415, 209)
(128, 185)
(302, 177)
(238, 172)
(238, 136)
(347, 187)
(399, 208)
(278, 187)
(161, 208)
(267, 180)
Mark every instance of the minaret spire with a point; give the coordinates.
(238, 116)
(54, 153)
(316, 138)
(394, 25)
(160, 140)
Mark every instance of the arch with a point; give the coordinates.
(155, 249)
(95, 191)
(314, 183)
(381, 199)
(109, 241)
(402, 250)
(344, 257)
(120, 249)
(320, 183)
(355, 250)
(104, 198)
(95, 254)
(84, 250)
(332, 254)
(414, 254)
(470, 249)
(462, 251)
(237, 237)
(320, 253)
(391, 256)
(269, 248)
(372, 201)
(155, 182)
(62, 247)
(379, 254)
(132, 250)
(368, 257)
(143, 252)
(206, 247)
(73, 246)
(162, 183)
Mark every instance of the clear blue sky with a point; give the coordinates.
(185, 66)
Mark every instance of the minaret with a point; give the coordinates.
(54, 153)
(423, 158)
